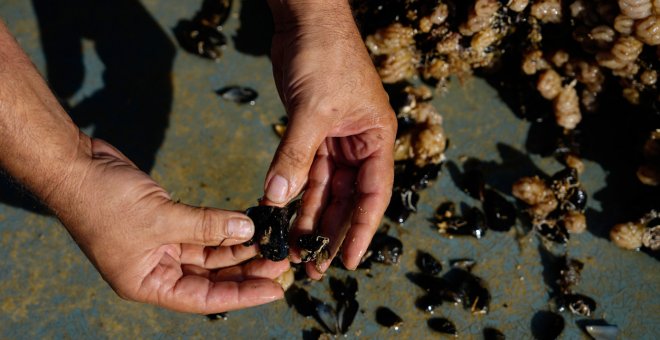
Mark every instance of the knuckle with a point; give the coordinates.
(209, 227)
(292, 156)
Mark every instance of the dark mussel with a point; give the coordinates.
(213, 12)
(217, 316)
(471, 289)
(403, 203)
(500, 213)
(436, 288)
(313, 247)
(300, 299)
(564, 178)
(576, 200)
(196, 38)
(473, 184)
(493, 334)
(238, 94)
(346, 312)
(442, 325)
(326, 317)
(344, 290)
(547, 325)
(408, 179)
(387, 318)
(385, 249)
(427, 263)
(553, 231)
(428, 303)
(577, 304)
(271, 229)
(472, 224)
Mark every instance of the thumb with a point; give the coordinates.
(205, 226)
(290, 167)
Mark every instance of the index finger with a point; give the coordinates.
(374, 189)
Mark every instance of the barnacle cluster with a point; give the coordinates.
(556, 206)
(572, 50)
(644, 232)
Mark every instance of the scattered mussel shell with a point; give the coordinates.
(300, 299)
(599, 329)
(346, 312)
(387, 318)
(547, 325)
(427, 263)
(471, 288)
(448, 223)
(429, 302)
(493, 334)
(271, 229)
(442, 325)
(500, 213)
(385, 249)
(577, 304)
(238, 94)
(473, 184)
(313, 247)
(343, 290)
(217, 316)
(403, 203)
(326, 317)
(205, 41)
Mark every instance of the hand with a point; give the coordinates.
(338, 146)
(151, 249)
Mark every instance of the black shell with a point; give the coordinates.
(346, 312)
(344, 290)
(555, 232)
(271, 229)
(386, 249)
(493, 334)
(547, 325)
(403, 203)
(238, 94)
(442, 325)
(427, 263)
(387, 318)
(429, 302)
(326, 316)
(473, 184)
(577, 200)
(500, 213)
(200, 39)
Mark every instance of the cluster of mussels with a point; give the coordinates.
(202, 35)
(333, 320)
(556, 206)
(458, 286)
(271, 234)
(569, 55)
(418, 150)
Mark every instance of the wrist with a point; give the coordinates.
(293, 13)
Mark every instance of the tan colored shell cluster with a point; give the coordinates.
(571, 51)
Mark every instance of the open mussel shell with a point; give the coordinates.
(238, 94)
(326, 317)
(346, 313)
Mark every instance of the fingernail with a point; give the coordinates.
(240, 228)
(277, 189)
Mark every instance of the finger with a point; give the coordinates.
(374, 186)
(256, 269)
(216, 257)
(197, 294)
(336, 218)
(314, 199)
(180, 223)
(293, 159)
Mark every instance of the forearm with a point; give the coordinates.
(39, 144)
